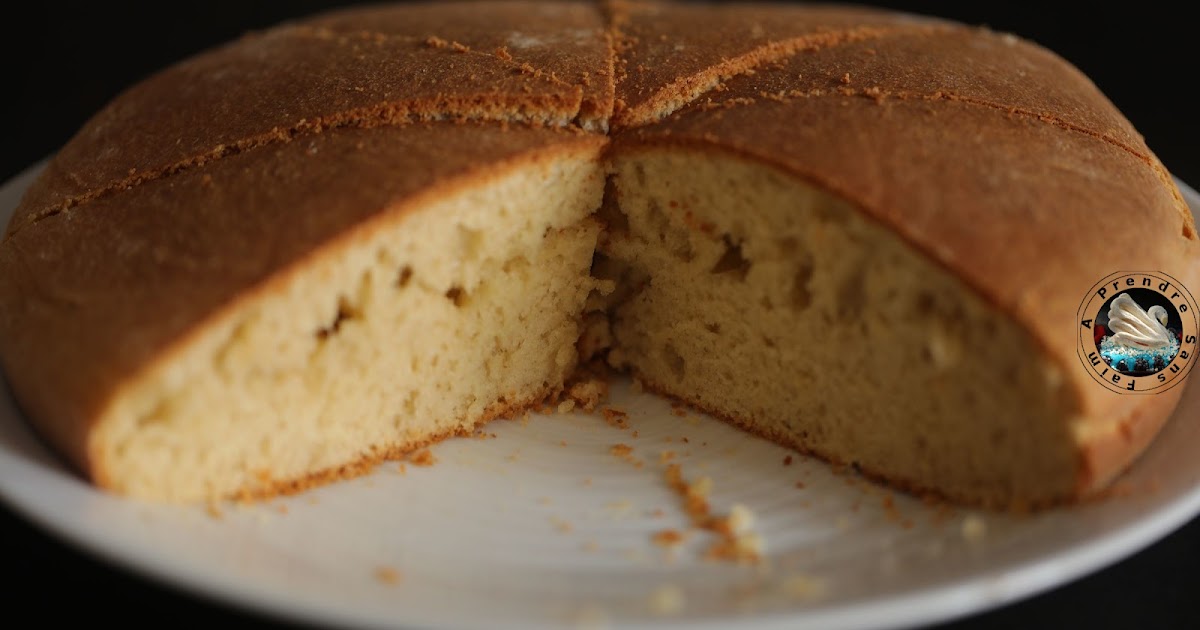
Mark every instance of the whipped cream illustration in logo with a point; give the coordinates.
(1141, 342)
(1135, 328)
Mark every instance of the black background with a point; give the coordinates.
(63, 61)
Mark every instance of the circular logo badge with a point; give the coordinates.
(1138, 332)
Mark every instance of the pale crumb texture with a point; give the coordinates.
(589, 392)
(736, 541)
(423, 328)
(480, 304)
(741, 519)
(749, 546)
(666, 600)
(974, 528)
(779, 319)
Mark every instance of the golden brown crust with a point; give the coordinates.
(670, 53)
(179, 251)
(946, 62)
(268, 487)
(1119, 437)
(379, 67)
(994, 157)
(1026, 154)
(995, 219)
(562, 41)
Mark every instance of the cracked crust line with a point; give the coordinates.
(388, 114)
(501, 55)
(686, 90)
(312, 127)
(880, 96)
(614, 56)
(615, 15)
(433, 42)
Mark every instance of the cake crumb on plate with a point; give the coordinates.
(667, 599)
(667, 538)
(387, 575)
(423, 457)
(974, 528)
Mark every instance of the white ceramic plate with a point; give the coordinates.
(543, 526)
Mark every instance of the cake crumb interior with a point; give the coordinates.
(722, 282)
(781, 308)
(459, 313)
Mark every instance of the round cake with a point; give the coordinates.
(859, 234)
